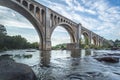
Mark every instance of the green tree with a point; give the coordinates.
(14, 42)
(3, 29)
(35, 45)
(117, 43)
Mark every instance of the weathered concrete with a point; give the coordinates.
(46, 20)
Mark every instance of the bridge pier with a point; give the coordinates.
(44, 21)
(47, 40)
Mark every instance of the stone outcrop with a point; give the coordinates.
(111, 58)
(10, 70)
(108, 59)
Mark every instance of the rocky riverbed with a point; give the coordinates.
(68, 65)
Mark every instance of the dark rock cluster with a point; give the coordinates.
(10, 70)
(111, 58)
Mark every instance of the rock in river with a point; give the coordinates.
(10, 70)
(108, 59)
(111, 58)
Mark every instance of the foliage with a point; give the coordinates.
(15, 42)
(35, 45)
(59, 46)
(3, 29)
(106, 45)
(86, 45)
(117, 43)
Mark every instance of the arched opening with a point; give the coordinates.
(27, 15)
(61, 37)
(82, 41)
(42, 16)
(38, 13)
(19, 30)
(32, 8)
(55, 21)
(25, 3)
(51, 20)
(85, 39)
(58, 19)
(94, 41)
(61, 19)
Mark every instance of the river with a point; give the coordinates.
(67, 65)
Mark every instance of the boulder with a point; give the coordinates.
(10, 70)
(109, 59)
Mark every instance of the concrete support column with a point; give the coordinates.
(40, 14)
(78, 36)
(34, 10)
(52, 20)
(90, 38)
(47, 40)
(21, 1)
(101, 42)
(28, 5)
(97, 41)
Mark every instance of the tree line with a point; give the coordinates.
(15, 42)
(59, 46)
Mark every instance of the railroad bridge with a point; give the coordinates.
(46, 20)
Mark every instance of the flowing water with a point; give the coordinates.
(67, 65)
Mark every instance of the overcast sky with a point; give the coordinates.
(100, 16)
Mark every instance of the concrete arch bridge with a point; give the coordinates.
(46, 20)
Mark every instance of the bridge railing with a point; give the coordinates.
(36, 9)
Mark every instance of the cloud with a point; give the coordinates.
(56, 41)
(30, 34)
(97, 15)
(15, 23)
(60, 29)
(60, 35)
(9, 17)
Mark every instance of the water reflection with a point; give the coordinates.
(67, 65)
(75, 53)
(45, 58)
(81, 53)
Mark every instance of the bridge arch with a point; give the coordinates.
(86, 37)
(94, 39)
(46, 20)
(27, 10)
(68, 28)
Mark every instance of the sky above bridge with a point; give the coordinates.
(99, 16)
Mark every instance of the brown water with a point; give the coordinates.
(67, 65)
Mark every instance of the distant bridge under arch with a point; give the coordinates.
(45, 21)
